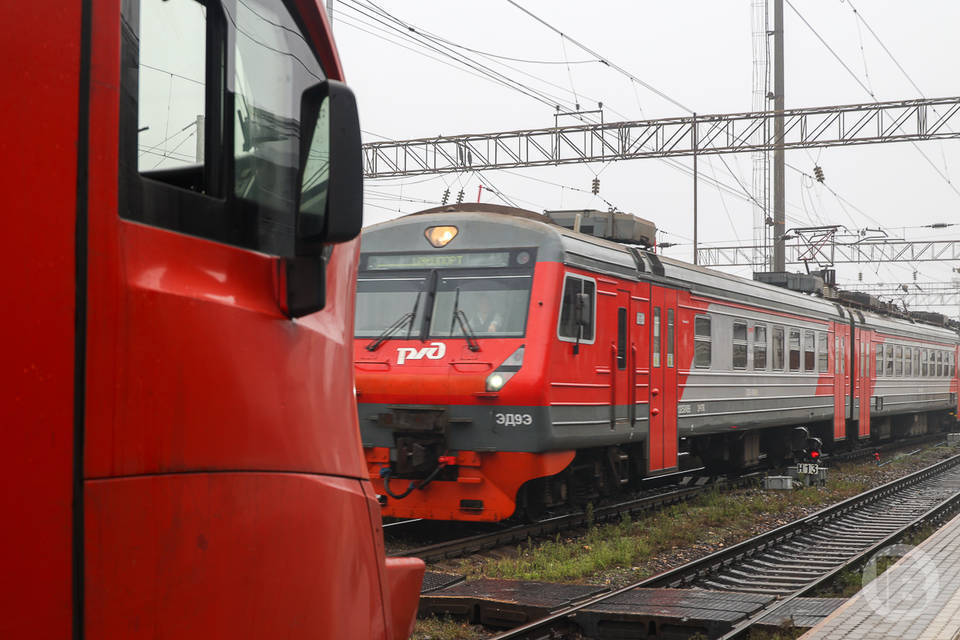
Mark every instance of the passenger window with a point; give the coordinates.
(923, 362)
(898, 361)
(569, 329)
(656, 336)
(879, 360)
(794, 350)
(809, 350)
(916, 361)
(702, 337)
(669, 337)
(760, 347)
(939, 364)
(739, 345)
(778, 348)
(888, 353)
(823, 362)
(908, 362)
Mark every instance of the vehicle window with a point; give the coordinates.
(809, 350)
(823, 362)
(656, 336)
(916, 361)
(778, 348)
(908, 362)
(924, 358)
(794, 350)
(879, 360)
(494, 306)
(939, 363)
(888, 355)
(383, 301)
(211, 95)
(702, 340)
(171, 101)
(760, 347)
(898, 360)
(621, 338)
(272, 68)
(669, 337)
(739, 345)
(568, 329)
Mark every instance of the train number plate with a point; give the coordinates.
(808, 468)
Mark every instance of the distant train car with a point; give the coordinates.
(506, 364)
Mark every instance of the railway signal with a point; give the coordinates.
(812, 450)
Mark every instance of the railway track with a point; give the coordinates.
(800, 557)
(689, 487)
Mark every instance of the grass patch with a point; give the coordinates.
(714, 518)
(445, 628)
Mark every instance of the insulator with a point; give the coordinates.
(914, 276)
(595, 186)
(860, 277)
(460, 196)
(818, 174)
(446, 196)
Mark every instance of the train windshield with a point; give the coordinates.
(492, 306)
(385, 300)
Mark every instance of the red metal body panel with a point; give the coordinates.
(39, 180)
(161, 563)
(224, 492)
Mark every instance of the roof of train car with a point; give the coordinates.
(561, 244)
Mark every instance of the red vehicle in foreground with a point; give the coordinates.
(180, 447)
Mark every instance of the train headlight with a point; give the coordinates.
(440, 236)
(495, 381)
(505, 371)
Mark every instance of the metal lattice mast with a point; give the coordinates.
(760, 159)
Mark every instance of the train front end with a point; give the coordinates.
(449, 375)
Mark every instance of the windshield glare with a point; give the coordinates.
(494, 306)
(384, 300)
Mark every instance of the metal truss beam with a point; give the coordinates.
(867, 123)
(844, 253)
(914, 294)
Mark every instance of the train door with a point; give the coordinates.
(639, 320)
(620, 365)
(863, 379)
(839, 376)
(663, 379)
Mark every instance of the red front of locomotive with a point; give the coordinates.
(453, 329)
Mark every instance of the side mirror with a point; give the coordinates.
(330, 207)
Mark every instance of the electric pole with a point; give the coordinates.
(694, 132)
(779, 159)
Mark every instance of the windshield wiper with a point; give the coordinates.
(405, 319)
(461, 318)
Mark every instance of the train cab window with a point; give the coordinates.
(702, 342)
(760, 347)
(794, 350)
(739, 345)
(669, 337)
(569, 329)
(823, 363)
(778, 348)
(494, 306)
(210, 136)
(908, 362)
(656, 336)
(898, 361)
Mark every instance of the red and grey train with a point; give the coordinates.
(506, 364)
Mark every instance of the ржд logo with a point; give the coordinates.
(434, 352)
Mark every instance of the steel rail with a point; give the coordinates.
(688, 573)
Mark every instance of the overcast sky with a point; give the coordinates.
(699, 53)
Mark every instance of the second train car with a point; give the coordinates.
(506, 365)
